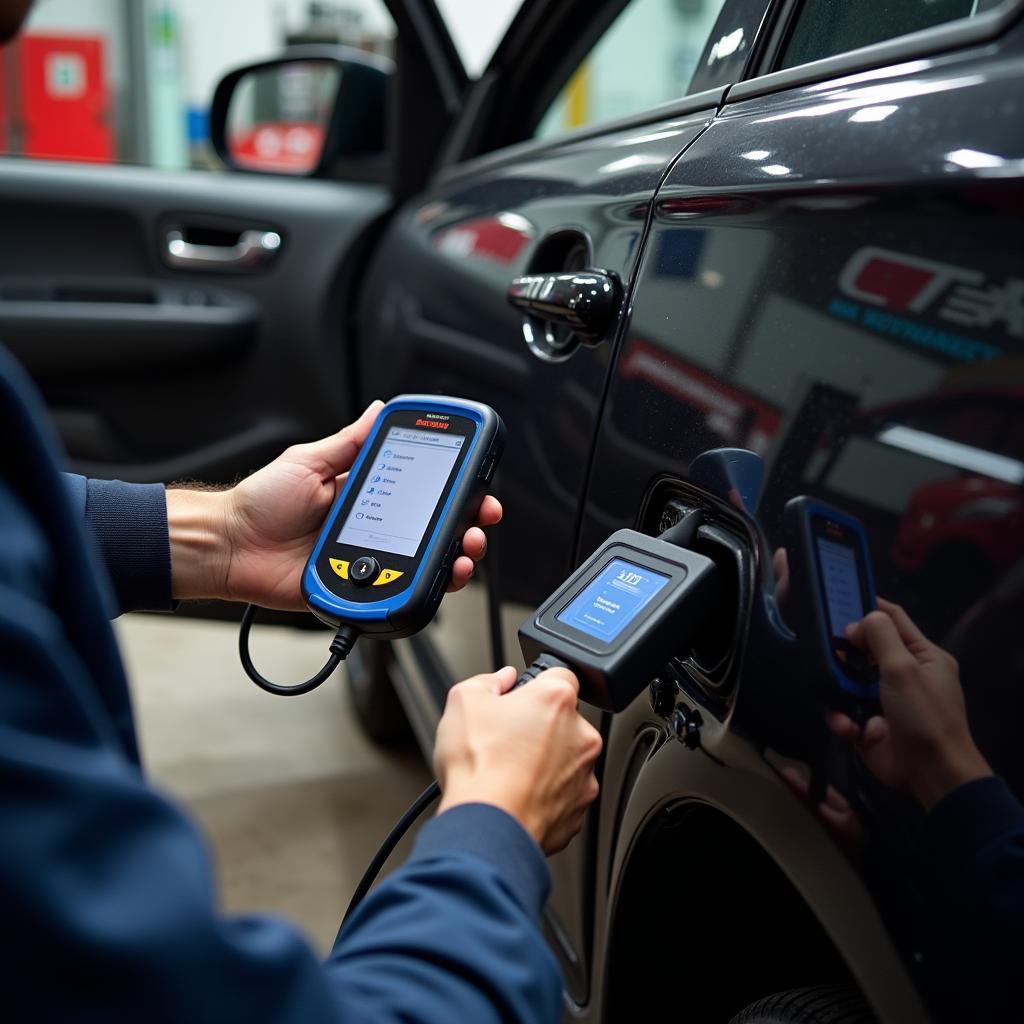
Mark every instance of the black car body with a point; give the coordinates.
(815, 259)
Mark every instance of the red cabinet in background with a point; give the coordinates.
(61, 109)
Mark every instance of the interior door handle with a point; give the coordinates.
(252, 248)
(584, 301)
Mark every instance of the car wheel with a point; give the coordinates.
(372, 695)
(817, 1004)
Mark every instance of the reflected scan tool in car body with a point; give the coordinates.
(831, 588)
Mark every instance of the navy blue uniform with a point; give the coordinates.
(974, 876)
(107, 907)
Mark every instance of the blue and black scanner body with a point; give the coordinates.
(384, 557)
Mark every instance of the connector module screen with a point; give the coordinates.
(612, 600)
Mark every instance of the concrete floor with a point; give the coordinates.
(292, 796)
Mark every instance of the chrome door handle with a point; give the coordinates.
(251, 249)
(584, 301)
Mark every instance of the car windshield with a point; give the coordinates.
(476, 28)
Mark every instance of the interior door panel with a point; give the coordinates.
(156, 371)
(59, 327)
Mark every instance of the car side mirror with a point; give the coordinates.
(317, 111)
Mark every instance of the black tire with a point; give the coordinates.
(372, 695)
(816, 1004)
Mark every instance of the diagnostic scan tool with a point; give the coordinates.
(831, 587)
(622, 615)
(385, 554)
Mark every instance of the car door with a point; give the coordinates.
(523, 197)
(190, 323)
(832, 281)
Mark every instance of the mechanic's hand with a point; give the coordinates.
(250, 543)
(923, 744)
(780, 565)
(528, 752)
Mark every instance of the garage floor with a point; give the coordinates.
(291, 795)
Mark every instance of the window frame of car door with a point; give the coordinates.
(764, 76)
(428, 95)
(507, 101)
(536, 37)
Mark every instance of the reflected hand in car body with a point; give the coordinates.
(923, 744)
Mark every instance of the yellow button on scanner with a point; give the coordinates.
(340, 567)
(387, 576)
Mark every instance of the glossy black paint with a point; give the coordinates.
(435, 311)
(831, 279)
(829, 275)
(435, 308)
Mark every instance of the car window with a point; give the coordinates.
(106, 81)
(824, 28)
(477, 27)
(647, 56)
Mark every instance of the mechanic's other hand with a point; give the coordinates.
(250, 543)
(923, 744)
(780, 565)
(528, 752)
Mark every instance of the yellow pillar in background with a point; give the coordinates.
(577, 96)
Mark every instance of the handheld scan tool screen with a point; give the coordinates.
(839, 556)
(612, 600)
(394, 506)
(838, 563)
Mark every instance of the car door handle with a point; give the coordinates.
(584, 301)
(252, 248)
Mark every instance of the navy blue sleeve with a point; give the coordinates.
(109, 909)
(453, 935)
(496, 837)
(107, 904)
(974, 842)
(129, 522)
